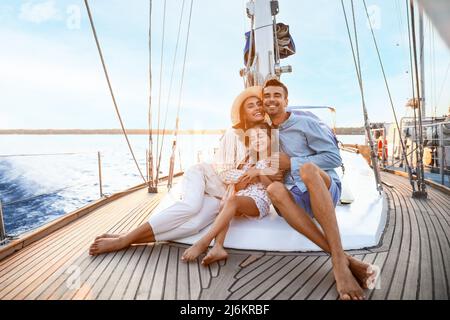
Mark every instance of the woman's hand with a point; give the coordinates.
(249, 176)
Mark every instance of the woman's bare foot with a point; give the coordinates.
(104, 245)
(346, 284)
(107, 235)
(365, 273)
(217, 253)
(194, 251)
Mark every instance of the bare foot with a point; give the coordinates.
(107, 235)
(365, 273)
(194, 251)
(104, 245)
(217, 253)
(346, 284)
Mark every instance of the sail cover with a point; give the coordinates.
(286, 45)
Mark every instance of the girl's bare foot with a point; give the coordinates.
(104, 245)
(217, 253)
(194, 251)
(346, 284)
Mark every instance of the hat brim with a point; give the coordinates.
(255, 91)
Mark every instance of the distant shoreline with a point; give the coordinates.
(340, 131)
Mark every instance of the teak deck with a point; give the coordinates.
(414, 256)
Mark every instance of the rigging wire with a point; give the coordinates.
(150, 169)
(170, 85)
(413, 89)
(380, 60)
(443, 84)
(419, 154)
(361, 88)
(110, 87)
(160, 84)
(177, 123)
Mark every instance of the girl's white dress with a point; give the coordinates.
(257, 191)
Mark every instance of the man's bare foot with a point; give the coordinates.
(365, 273)
(346, 284)
(194, 251)
(217, 253)
(104, 245)
(107, 235)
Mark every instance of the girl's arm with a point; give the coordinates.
(265, 180)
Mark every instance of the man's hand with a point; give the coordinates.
(281, 161)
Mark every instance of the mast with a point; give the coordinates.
(263, 43)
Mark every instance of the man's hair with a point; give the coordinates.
(274, 82)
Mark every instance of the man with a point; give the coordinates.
(311, 186)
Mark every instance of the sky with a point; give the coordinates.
(51, 75)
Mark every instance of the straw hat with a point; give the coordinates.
(255, 91)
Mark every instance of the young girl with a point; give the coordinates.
(250, 198)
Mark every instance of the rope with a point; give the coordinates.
(150, 133)
(110, 87)
(170, 85)
(177, 123)
(356, 61)
(160, 84)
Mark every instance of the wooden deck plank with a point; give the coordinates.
(182, 279)
(66, 250)
(314, 281)
(401, 267)
(138, 273)
(302, 275)
(389, 270)
(145, 286)
(87, 263)
(301, 263)
(170, 288)
(244, 271)
(254, 273)
(282, 268)
(219, 288)
(413, 256)
(159, 279)
(194, 279)
(125, 279)
(411, 287)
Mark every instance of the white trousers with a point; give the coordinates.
(185, 210)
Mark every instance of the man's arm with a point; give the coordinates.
(326, 154)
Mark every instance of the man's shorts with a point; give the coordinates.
(303, 200)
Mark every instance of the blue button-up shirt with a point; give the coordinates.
(304, 140)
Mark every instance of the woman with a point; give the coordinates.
(193, 210)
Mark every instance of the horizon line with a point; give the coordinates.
(340, 130)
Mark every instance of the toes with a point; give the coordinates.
(345, 296)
